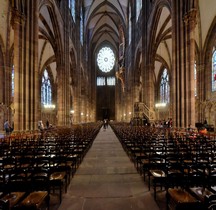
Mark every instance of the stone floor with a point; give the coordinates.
(108, 180)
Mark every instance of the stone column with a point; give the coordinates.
(17, 21)
(177, 79)
(75, 106)
(149, 86)
(82, 108)
(117, 102)
(136, 90)
(79, 98)
(31, 94)
(60, 96)
(190, 23)
(200, 90)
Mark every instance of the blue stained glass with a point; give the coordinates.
(214, 71)
(81, 26)
(164, 87)
(138, 8)
(72, 6)
(129, 26)
(46, 89)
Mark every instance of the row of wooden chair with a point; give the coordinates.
(31, 168)
(169, 162)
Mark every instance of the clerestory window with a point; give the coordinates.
(138, 8)
(72, 5)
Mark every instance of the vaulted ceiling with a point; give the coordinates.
(103, 18)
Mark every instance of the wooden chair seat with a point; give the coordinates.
(157, 173)
(34, 199)
(181, 196)
(57, 176)
(173, 171)
(13, 198)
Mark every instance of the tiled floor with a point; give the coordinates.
(108, 180)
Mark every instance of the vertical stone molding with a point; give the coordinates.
(183, 36)
(35, 74)
(190, 23)
(149, 86)
(17, 22)
(177, 97)
(61, 105)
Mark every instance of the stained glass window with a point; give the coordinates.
(101, 81)
(81, 26)
(214, 71)
(138, 8)
(12, 81)
(129, 26)
(46, 89)
(164, 87)
(110, 81)
(72, 5)
(106, 59)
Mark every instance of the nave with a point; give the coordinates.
(108, 180)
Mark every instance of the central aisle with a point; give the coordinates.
(107, 180)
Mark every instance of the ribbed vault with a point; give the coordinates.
(103, 19)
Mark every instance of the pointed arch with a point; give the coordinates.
(55, 38)
(153, 24)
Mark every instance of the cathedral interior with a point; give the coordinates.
(70, 63)
(82, 61)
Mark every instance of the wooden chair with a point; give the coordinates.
(40, 188)
(57, 180)
(180, 199)
(33, 201)
(12, 198)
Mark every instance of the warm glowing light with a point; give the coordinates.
(72, 111)
(159, 105)
(49, 106)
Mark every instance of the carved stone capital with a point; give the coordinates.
(190, 18)
(17, 18)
